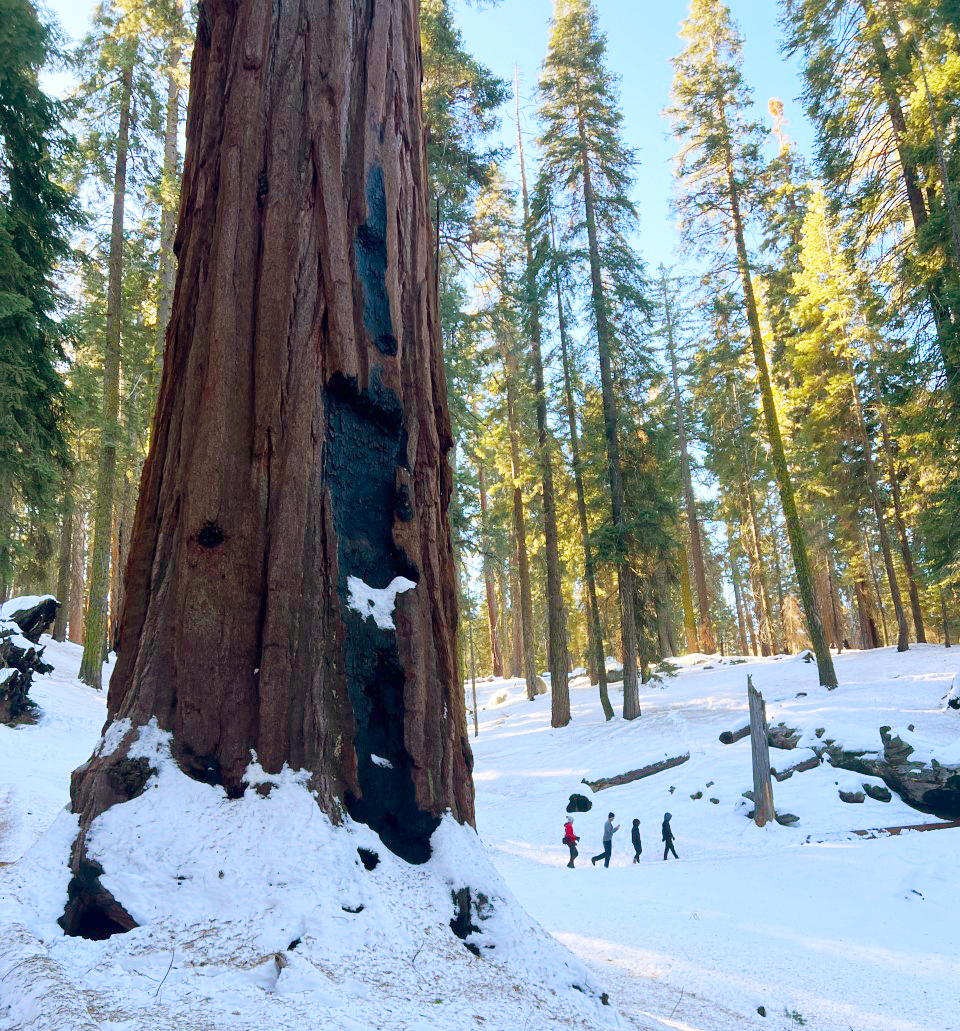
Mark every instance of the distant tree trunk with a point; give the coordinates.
(878, 594)
(707, 643)
(300, 443)
(737, 594)
(516, 617)
(945, 618)
(870, 472)
(78, 581)
(686, 598)
(520, 526)
(628, 624)
(98, 610)
(869, 637)
(6, 528)
(64, 566)
(661, 601)
(758, 573)
(170, 197)
(496, 657)
(506, 638)
(556, 617)
(904, 541)
(798, 544)
(595, 656)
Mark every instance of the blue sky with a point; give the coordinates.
(642, 36)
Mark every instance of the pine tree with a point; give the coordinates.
(717, 173)
(36, 216)
(583, 155)
(556, 617)
(706, 641)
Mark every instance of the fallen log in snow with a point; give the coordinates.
(632, 775)
(808, 764)
(779, 736)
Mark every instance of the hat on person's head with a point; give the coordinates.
(667, 816)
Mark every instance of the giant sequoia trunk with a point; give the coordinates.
(299, 450)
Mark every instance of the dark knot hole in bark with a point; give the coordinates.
(210, 535)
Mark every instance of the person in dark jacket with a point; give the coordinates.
(668, 838)
(635, 837)
(608, 832)
(570, 840)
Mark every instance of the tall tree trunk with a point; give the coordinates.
(798, 544)
(628, 626)
(945, 618)
(520, 526)
(303, 349)
(595, 657)
(556, 617)
(686, 599)
(707, 642)
(496, 657)
(99, 594)
(64, 566)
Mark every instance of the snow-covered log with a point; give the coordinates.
(22, 621)
(631, 775)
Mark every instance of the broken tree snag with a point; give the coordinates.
(299, 449)
(645, 771)
(760, 750)
(21, 656)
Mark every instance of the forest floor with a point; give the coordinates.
(816, 926)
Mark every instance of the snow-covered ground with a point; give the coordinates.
(810, 922)
(814, 925)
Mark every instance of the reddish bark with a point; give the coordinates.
(301, 437)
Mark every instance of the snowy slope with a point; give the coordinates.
(814, 925)
(809, 920)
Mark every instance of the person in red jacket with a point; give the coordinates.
(570, 840)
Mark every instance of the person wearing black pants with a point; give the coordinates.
(635, 837)
(668, 838)
(608, 832)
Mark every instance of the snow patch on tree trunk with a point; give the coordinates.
(377, 603)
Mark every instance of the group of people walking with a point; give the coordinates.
(570, 839)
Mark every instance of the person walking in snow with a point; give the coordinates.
(668, 838)
(608, 832)
(635, 837)
(570, 840)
